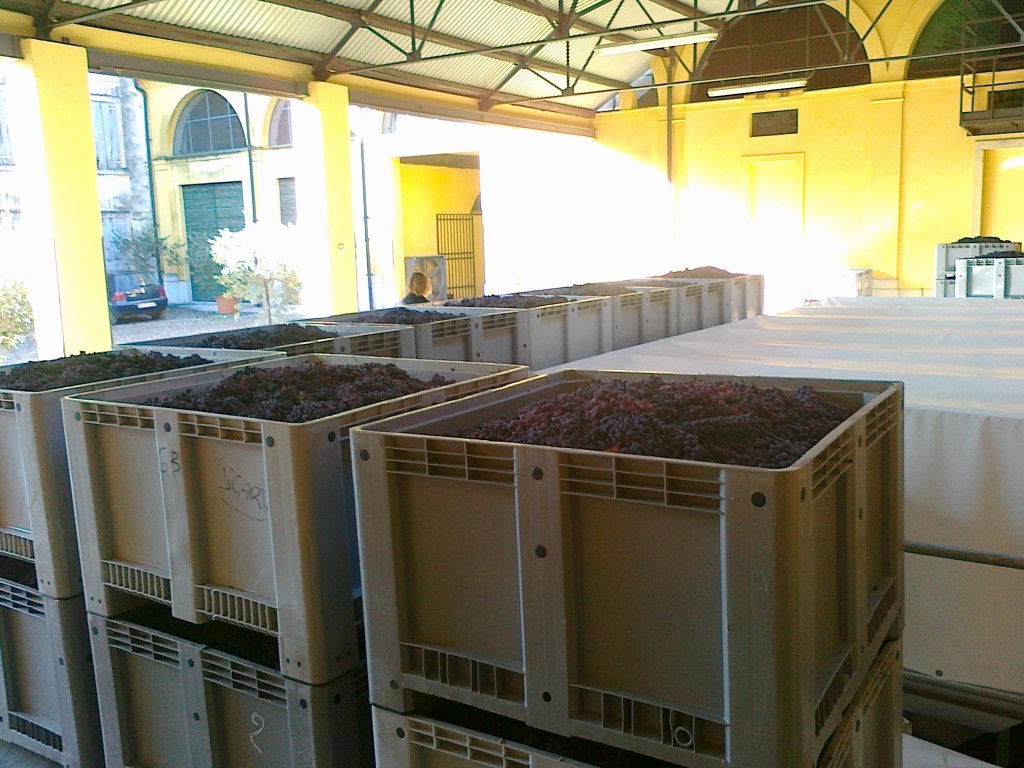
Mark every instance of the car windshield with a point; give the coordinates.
(126, 283)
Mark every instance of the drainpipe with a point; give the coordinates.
(149, 172)
(248, 150)
(366, 220)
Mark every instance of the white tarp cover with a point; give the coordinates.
(962, 362)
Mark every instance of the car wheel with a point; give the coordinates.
(158, 315)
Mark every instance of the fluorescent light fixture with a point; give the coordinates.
(684, 38)
(775, 85)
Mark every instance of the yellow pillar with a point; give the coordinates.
(74, 280)
(330, 178)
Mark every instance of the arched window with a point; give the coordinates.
(974, 23)
(795, 40)
(281, 124)
(208, 124)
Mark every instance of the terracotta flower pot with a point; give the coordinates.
(227, 306)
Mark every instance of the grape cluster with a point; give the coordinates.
(982, 239)
(515, 301)
(296, 394)
(263, 338)
(597, 289)
(719, 422)
(401, 316)
(701, 273)
(88, 368)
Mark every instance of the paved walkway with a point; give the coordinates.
(179, 321)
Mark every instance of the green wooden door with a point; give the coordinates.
(209, 208)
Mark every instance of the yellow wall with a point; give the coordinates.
(887, 174)
(1003, 192)
(426, 191)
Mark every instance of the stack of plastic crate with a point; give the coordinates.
(48, 694)
(529, 605)
(219, 566)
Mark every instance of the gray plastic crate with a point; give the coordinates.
(991, 278)
(946, 254)
(352, 339)
(494, 334)
(166, 702)
(617, 598)
(871, 733)
(48, 695)
(245, 520)
(36, 518)
(629, 312)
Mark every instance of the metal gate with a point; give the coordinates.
(209, 208)
(456, 243)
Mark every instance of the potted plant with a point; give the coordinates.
(254, 266)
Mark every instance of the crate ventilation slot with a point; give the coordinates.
(462, 672)
(836, 459)
(834, 692)
(21, 599)
(17, 545)
(35, 731)
(881, 612)
(117, 415)
(451, 459)
(552, 311)
(642, 480)
(222, 428)
(447, 329)
(660, 296)
(590, 305)
(880, 421)
(139, 641)
(694, 290)
(466, 746)
(882, 670)
(839, 747)
(716, 288)
(129, 577)
(496, 322)
(6, 401)
(238, 608)
(632, 300)
(237, 675)
(648, 721)
(377, 345)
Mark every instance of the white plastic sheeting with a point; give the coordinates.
(963, 365)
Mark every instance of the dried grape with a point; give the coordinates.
(296, 394)
(263, 338)
(719, 422)
(401, 316)
(515, 301)
(88, 368)
(701, 273)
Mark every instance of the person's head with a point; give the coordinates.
(419, 284)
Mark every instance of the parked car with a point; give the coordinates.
(132, 294)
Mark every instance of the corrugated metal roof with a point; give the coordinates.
(487, 23)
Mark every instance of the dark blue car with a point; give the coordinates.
(135, 294)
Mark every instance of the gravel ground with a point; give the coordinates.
(179, 321)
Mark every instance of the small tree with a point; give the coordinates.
(143, 249)
(254, 265)
(15, 315)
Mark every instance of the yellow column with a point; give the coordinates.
(332, 180)
(77, 321)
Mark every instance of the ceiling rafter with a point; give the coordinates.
(401, 27)
(551, 15)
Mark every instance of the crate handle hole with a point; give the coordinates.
(758, 499)
(400, 732)
(683, 737)
(546, 696)
(364, 455)
(541, 551)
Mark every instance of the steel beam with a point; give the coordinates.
(48, 26)
(375, 21)
(552, 15)
(991, 701)
(975, 556)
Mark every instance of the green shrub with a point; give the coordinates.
(15, 315)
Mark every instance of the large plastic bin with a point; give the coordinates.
(37, 522)
(351, 339)
(946, 254)
(871, 733)
(474, 334)
(168, 702)
(697, 613)
(990, 278)
(245, 520)
(755, 294)
(629, 311)
(48, 695)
